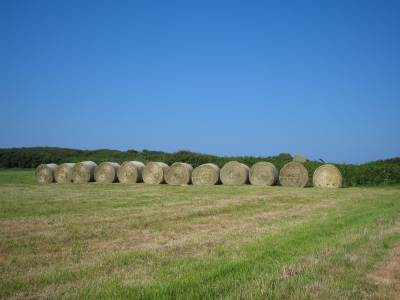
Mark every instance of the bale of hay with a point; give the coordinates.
(327, 176)
(45, 173)
(106, 172)
(179, 173)
(130, 172)
(263, 173)
(206, 174)
(293, 174)
(63, 173)
(235, 173)
(154, 172)
(84, 171)
(299, 158)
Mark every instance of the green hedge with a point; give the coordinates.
(382, 172)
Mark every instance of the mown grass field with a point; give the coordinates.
(116, 241)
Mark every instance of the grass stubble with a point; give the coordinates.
(140, 241)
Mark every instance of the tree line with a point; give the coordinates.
(380, 172)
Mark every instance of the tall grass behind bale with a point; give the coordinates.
(84, 171)
(206, 174)
(154, 172)
(263, 173)
(130, 172)
(235, 173)
(106, 172)
(179, 173)
(45, 173)
(327, 176)
(293, 174)
(63, 173)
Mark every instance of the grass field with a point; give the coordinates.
(117, 241)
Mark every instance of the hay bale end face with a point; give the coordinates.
(299, 158)
(206, 174)
(179, 174)
(293, 174)
(235, 173)
(327, 176)
(263, 173)
(45, 173)
(154, 172)
(130, 172)
(84, 171)
(106, 172)
(63, 173)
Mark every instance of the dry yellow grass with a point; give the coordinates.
(65, 238)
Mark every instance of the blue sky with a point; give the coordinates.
(256, 78)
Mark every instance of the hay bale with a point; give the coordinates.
(179, 173)
(263, 173)
(154, 172)
(84, 171)
(63, 173)
(130, 172)
(293, 174)
(235, 173)
(206, 174)
(327, 176)
(106, 172)
(45, 173)
(299, 158)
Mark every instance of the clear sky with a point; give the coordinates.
(247, 78)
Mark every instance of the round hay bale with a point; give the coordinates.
(206, 174)
(63, 173)
(84, 171)
(299, 158)
(179, 173)
(235, 173)
(130, 172)
(263, 173)
(293, 174)
(154, 172)
(45, 173)
(106, 172)
(327, 176)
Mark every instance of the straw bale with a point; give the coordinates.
(130, 172)
(84, 171)
(106, 172)
(293, 174)
(179, 173)
(63, 173)
(45, 173)
(154, 172)
(327, 176)
(235, 173)
(263, 173)
(299, 158)
(206, 174)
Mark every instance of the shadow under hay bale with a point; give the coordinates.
(293, 174)
(130, 172)
(235, 173)
(154, 172)
(179, 174)
(83, 171)
(106, 172)
(263, 173)
(63, 173)
(45, 173)
(327, 176)
(206, 174)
